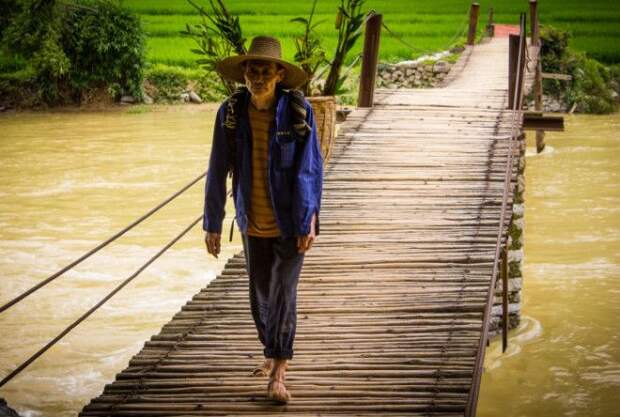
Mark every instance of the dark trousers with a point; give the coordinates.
(274, 265)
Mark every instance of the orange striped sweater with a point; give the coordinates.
(262, 221)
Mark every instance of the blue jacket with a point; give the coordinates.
(295, 170)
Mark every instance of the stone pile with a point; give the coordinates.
(412, 74)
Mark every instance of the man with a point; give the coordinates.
(277, 169)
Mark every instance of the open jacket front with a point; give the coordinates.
(295, 171)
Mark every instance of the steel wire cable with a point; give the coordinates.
(52, 342)
(100, 246)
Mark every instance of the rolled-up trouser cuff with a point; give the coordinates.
(282, 354)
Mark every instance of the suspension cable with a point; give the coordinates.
(99, 304)
(100, 246)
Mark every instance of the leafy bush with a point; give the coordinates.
(33, 34)
(169, 82)
(74, 47)
(593, 85)
(106, 45)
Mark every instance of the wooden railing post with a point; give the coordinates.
(535, 37)
(490, 24)
(513, 61)
(513, 51)
(540, 133)
(370, 59)
(505, 315)
(473, 20)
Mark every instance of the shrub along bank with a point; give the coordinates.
(61, 53)
(594, 87)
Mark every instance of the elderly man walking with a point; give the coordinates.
(265, 136)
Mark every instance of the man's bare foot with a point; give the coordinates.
(276, 390)
(264, 369)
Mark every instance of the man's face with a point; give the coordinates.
(261, 76)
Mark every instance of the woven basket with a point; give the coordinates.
(324, 108)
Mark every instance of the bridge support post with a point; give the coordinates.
(370, 59)
(473, 21)
(513, 61)
(490, 24)
(505, 312)
(535, 38)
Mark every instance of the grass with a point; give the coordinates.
(424, 25)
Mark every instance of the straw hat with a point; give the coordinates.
(264, 48)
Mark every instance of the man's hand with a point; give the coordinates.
(212, 240)
(305, 242)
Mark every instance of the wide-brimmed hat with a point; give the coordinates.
(264, 48)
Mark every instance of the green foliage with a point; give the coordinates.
(217, 37)
(554, 44)
(106, 45)
(72, 47)
(350, 24)
(592, 85)
(33, 34)
(210, 88)
(170, 82)
(8, 10)
(310, 54)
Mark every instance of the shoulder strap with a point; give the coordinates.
(298, 113)
(233, 109)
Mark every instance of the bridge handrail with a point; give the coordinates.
(52, 342)
(100, 246)
(470, 409)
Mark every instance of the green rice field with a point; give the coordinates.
(418, 26)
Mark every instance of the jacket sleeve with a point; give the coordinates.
(215, 184)
(308, 180)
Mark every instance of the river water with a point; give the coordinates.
(72, 179)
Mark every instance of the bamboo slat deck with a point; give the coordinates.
(391, 297)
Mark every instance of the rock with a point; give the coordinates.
(515, 255)
(496, 310)
(441, 67)
(518, 209)
(194, 97)
(6, 411)
(146, 99)
(127, 100)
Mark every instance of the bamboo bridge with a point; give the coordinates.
(392, 295)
